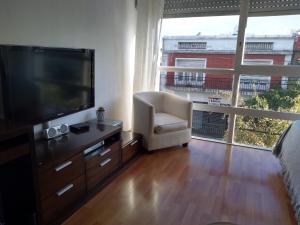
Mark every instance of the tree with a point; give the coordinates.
(265, 131)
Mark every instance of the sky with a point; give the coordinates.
(272, 25)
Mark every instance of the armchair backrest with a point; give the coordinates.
(164, 102)
(154, 98)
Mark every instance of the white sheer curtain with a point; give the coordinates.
(123, 39)
(149, 19)
(136, 39)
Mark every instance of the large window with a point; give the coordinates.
(199, 42)
(200, 37)
(273, 37)
(240, 66)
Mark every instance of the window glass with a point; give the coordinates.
(210, 125)
(199, 42)
(199, 87)
(210, 41)
(272, 93)
(259, 131)
(274, 39)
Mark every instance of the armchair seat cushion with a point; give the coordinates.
(164, 123)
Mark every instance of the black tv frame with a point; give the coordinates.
(3, 78)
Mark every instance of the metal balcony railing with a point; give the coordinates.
(248, 86)
(215, 126)
(209, 124)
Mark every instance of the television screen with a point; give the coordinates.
(39, 84)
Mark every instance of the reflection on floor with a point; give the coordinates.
(203, 183)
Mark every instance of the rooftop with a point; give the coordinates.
(226, 36)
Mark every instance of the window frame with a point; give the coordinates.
(238, 70)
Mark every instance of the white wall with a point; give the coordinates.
(108, 26)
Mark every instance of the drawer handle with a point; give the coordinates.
(133, 143)
(105, 152)
(64, 190)
(62, 166)
(105, 162)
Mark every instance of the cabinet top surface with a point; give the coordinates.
(72, 143)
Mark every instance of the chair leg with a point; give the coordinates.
(185, 145)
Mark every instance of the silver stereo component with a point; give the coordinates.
(94, 147)
(56, 131)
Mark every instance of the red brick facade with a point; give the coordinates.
(296, 56)
(297, 43)
(221, 61)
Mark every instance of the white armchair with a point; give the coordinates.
(162, 118)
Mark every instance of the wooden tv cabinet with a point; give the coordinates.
(17, 198)
(66, 175)
(62, 174)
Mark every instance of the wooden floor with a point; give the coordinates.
(203, 183)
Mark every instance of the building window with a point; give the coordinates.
(180, 76)
(192, 45)
(255, 83)
(259, 46)
(190, 78)
(263, 36)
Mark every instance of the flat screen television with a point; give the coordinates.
(39, 84)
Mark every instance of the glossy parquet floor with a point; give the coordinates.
(203, 183)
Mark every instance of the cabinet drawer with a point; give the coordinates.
(131, 150)
(101, 170)
(64, 197)
(95, 157)
(60, 174)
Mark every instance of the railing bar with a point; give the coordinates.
(270, 70)
(260, 131)
(232, 144)
(249, 70)
(247, 112)
(191, 69)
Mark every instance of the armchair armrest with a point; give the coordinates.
(178, 106)
(143, 117)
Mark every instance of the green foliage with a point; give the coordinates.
(264, 131)
(259, 131)
(277, 99)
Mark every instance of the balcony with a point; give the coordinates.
(199, 83)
